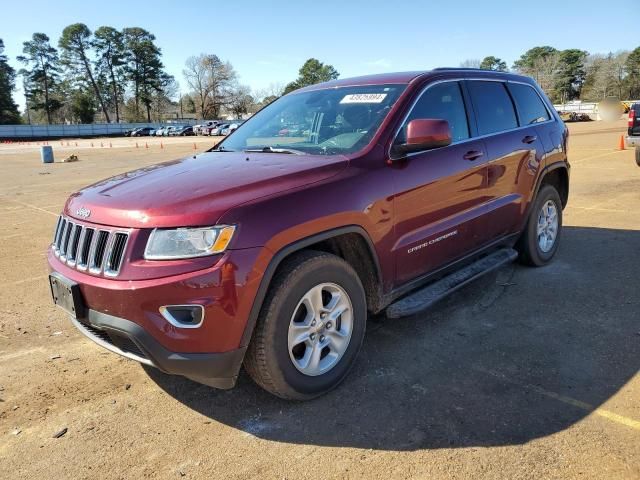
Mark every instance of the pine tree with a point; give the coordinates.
(42, 73)
(144, 67)
(8, 109)
(109, 46)
(75, 44)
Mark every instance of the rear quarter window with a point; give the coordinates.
(493, 106)
(530, 107)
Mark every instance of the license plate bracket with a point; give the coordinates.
(67, 295)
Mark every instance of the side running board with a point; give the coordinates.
(425, 298)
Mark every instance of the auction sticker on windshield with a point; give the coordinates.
(364, 98)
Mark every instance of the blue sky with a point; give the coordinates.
(268, 41)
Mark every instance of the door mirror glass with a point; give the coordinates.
(425, 134)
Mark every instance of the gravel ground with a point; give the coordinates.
(526, 373)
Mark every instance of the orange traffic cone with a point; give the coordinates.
(194, 146)
(136, 144)
(161, 147)
(621, 145)
(146, 145)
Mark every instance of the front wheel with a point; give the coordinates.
(310, 328)
(539, 241)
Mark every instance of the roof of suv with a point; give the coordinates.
(408, 77)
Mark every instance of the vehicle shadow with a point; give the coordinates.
(498, 363)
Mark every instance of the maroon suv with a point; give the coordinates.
(341, 199)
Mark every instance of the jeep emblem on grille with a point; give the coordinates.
(83, 212)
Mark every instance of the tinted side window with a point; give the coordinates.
(493, 107)
(530, 107)
(442, 101)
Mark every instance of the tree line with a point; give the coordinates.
(574, 74)
(116, 74)
(112, 75)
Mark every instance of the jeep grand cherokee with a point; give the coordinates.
(362, 195)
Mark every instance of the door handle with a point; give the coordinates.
(472, 155)
(529, 139)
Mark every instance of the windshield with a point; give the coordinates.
(321, 122)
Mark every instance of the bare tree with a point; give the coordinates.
(545, 69)
(471, 63)
(272, 91)
(212, 83)
(240, 101)
(164, 101)
(606, 75)
(222, 79)
(195, 73)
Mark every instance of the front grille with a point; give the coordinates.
(100, 251)
(101, 334)
(121, 342)
(126, 345)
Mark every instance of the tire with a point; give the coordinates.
(271, 362)
(533, 250)
(638, 156)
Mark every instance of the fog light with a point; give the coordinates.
(183, 316)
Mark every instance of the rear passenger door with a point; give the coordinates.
(439, 193)
(514, 151)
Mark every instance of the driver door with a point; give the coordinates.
(440, 193)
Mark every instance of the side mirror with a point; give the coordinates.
(425, 134)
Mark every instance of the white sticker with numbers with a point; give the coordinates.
(364, 98)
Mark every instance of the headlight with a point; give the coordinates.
(168, 244)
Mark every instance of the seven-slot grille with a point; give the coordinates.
(95, 249)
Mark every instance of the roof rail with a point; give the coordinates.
(466, 68)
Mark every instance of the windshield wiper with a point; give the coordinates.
(221, 149)
(269, 149)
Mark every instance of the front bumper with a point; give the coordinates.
(633, 141)
(226, 291)
(219, 370)
(124, 316)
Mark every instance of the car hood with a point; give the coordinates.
(196, 190)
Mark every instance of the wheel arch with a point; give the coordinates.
(557, 175)
(351, 243)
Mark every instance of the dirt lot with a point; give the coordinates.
(527, 373)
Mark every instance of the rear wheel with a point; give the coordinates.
(539, 241)
(310, 328)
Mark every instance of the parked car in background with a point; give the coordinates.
(143, 132)
(407, 187)
(202, 128)
(160, 131)
(177, 130)
(633, 132)
(186, 131)
(231, 128)
(207, 130)
(216, 131)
